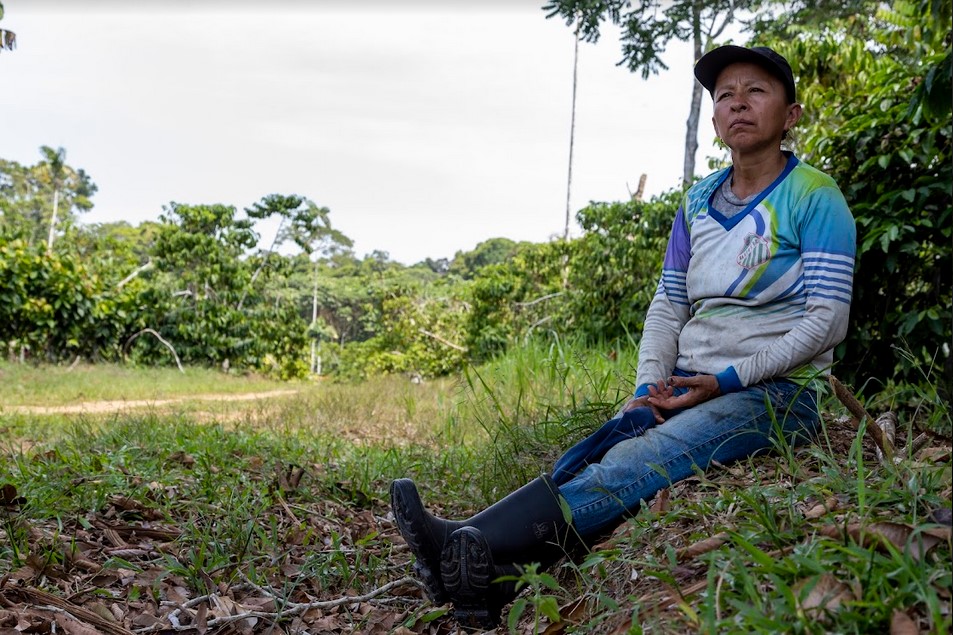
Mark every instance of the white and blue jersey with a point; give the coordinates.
(762, 294)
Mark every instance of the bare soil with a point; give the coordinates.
(122, 405)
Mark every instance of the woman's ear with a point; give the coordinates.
(794, 115)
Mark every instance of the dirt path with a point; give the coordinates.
(120, 405)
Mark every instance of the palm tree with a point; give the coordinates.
(8, 39)
(55, 162)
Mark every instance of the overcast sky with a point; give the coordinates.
(425, 127)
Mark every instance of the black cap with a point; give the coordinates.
(714, 61)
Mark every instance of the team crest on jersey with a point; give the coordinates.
(756, 251)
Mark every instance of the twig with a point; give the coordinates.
(538, 300)
(288, 610)
(532, 326)
(918, 444)
(158, 337)
(443, 341)
(887, 422)
(131, 276)
(270, 592)
(42, 599)
(847, 398)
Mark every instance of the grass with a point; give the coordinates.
(184, 516)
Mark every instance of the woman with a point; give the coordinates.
(754, 295)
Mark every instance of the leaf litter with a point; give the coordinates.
(130, 567)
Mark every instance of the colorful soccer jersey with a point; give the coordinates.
(764, 293)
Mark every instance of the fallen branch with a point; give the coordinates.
(918, 444)
(850, 402)
(41, 600)
(887, 422)
(125, 349)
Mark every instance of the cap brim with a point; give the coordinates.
(711, 64)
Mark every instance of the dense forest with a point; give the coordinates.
(196, 286)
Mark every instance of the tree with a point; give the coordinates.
(877, 88)
(615, 265)
(647, 28)
(201, 299)
(489, 252)
(310, 229)
(29, 195)
(8, 39)
(55, 161)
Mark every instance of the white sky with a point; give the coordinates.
(425, 127)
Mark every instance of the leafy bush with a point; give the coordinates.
(54, 306)
(510, 300)
(418, 331)
(615, 266)
(880, 124)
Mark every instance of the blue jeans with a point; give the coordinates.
(727, 428)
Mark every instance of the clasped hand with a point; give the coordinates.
(662, 395)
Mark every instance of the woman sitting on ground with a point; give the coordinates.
(754, 295)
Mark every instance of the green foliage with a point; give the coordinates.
(200, 297)
(27, 194)
(416, 331)
(511, 299)
(47, 300)
(615, 265)
(53, 306)
(544, 604)
(647, 25)
(597, 287)
(538, 399)
(490, 252)
(881, 126)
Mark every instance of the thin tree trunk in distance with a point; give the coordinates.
(691, 126)
(572, 130)
(314, 319)
(261, 265)
(56, 201)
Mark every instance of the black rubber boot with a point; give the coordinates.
(424, 533)
(526, 526)
(470, 575)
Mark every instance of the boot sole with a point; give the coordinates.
(467, 570)
(412, 524)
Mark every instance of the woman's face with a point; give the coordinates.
(751, 110)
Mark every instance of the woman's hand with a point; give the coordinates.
(659, 390)
(701, 388)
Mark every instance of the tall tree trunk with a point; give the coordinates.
(691, 126)
(56, 201)
(572, 129)
(315, 363)
(261, 265)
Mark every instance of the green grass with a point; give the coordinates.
(48, 385)
(276, 503)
